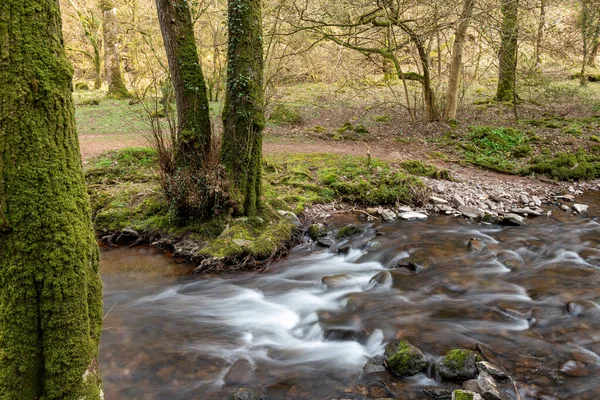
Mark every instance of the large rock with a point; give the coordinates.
(404, 359)
(581, 209)
(412, 216)
(470, 212)
(315, 231)
(490, 390)
(326, 241)
(512, 219)
(348, 231)
(388, 216)
(496, 372)
(374, 365)
(458, 365)
(290, 216)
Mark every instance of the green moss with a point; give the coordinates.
(283, 114)
(595, 138)
(81, 86)
(419, 168)
(496, 148)
(348, 231)
(457, 358)
(349, 131)
(405, 359)
(573, 129)
(90, 102)
(567, 166)
(384, 119)
(462, 395)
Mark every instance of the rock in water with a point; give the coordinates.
(460, 394)
(348, 231)
(581, 209)
(458, 365)
(496, 372)
(490, 390)
(574, 368)
(470, 212)
(240, 372)
(374, 365)
(388, 216)
(245, 394)
(315, 231)
(404, 359)
(412, 216)
(513, 219)
(383, 278)
(475, 245)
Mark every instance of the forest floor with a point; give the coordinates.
(488, 145)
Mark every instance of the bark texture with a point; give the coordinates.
(243, 114)
(193, 130)
(507, 56)
(112, 59)
(457, 60)
(539, 42)
(50, 289)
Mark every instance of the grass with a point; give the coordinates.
(497, 148)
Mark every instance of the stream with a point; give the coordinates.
(528, 297)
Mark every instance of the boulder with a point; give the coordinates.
(458, 365)
(512, 219)
(490, 390)
(388, 216)
(497, 372)
(374, 365)
(315, 231)
(412, 216)
(404, 359)
(470, 212)
(581, 209)
(290, 216)
(349, 231)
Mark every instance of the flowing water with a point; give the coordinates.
(529, 299)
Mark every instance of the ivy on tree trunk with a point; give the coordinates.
(507, 56)
(243, 114)
(50, 289)
(193, 141)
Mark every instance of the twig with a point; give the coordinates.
(108, 312)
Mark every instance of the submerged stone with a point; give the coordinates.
(245, 394)
(458, 365)
(404, 359)
(382, 278)
(348, 231)
(375, 365)
(574, 368)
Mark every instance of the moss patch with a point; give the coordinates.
(349, 231)
(568, 166)
(419, 168)
(405, 359)
(283, 114)
(462, 395)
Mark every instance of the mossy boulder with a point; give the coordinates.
(458, 365)
(349, 231)
(315, 231)
(464, 395)
(404, 359)
(283, 114)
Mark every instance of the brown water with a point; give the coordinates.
(170, 336)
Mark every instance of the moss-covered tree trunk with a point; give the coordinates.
(507, 56)
(456, 62)
(50, 289)
(539, 42)
(193, 131)
(112, 59)
(243, 114)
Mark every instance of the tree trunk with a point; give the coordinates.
(243, 113)
(50, 289)
(457, 57)
(431, 109)
(97, 67)
(193, 140)
(112, 61)
(594, 54)
(507, 56)
(540, 33)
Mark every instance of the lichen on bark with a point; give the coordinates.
(50, 288)
(243, 113)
